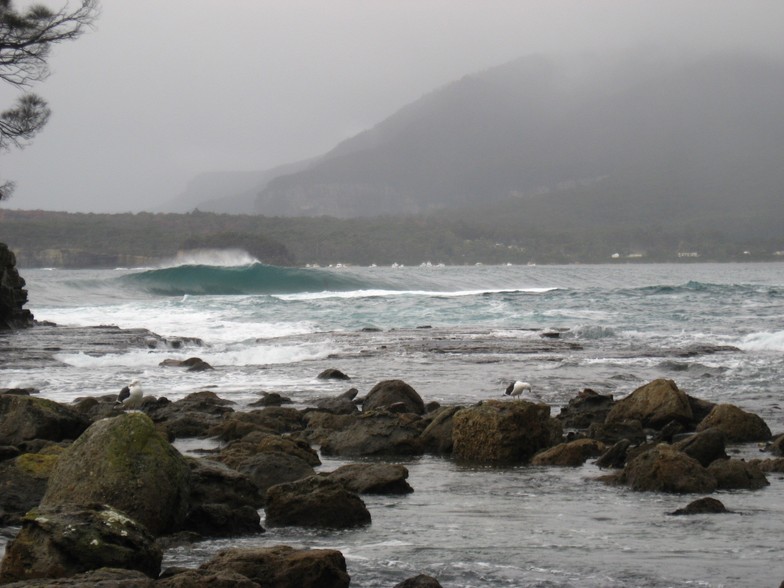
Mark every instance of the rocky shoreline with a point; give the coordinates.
(99, 491)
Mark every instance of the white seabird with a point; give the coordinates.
(516, 388)
(131, 395)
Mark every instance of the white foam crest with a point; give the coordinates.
(764, 341)
(271, 354)
(389, 293)
(213, 257)
(141, 359)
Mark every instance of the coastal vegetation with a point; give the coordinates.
(491, 235)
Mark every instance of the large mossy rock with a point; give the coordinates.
(665, 469)
(737, 425)
(503, 432)
(23, 418)
(126, 463)
(316, 501)
(655, 404)
(394, 392)
(63, 541)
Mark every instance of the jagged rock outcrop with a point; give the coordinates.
(13, 295)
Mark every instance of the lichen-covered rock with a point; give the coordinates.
(23, 418)
(63, 541)
(282, 566)
(738, 425)
(503, 432)
(736, 474)
(126, 463)
(572, 454)
(377, 433)
(392, 392)
(665, 469)
(23, 482)
(373, 478)
(655, 404)
(316, 501)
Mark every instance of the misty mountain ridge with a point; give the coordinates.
(707, 133)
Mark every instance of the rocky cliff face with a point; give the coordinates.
(13, 295)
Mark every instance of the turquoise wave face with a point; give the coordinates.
(257, 278)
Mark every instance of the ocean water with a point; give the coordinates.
(458, 335)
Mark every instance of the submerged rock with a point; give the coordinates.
(316, 501)
(280, 566)
(705, 505)
(332, 374)
(63, 541)
(420, 581)
(126, 463)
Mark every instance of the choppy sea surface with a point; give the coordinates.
(458, 335)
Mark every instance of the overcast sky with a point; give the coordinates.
(161, 91)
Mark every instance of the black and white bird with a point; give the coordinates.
(131, 395)
(516, 388)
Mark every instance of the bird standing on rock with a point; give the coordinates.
(516, 388)
(131, 395)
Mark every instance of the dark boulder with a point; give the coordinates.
(269, 469)
(63, 541)
(191, 416)
(738, 425)
(736, 474)
(499, 432)
(586, 408)
(192, 364)
(282, 566)
(23, 482)
(272, 419)
(23, 418)
(420, 581)
(270, 399)
(615, 456)
(611, 433)
(319, 424)
(706, 446)
(705, 505)
(222, 501)
(100, 578)
(316, 501)
(665, 469)
(437, 436)
(375, 434)
(655, 404)
(571, 454)
(341, 404)
(126, 463)
(373, 478)
(389, 392)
